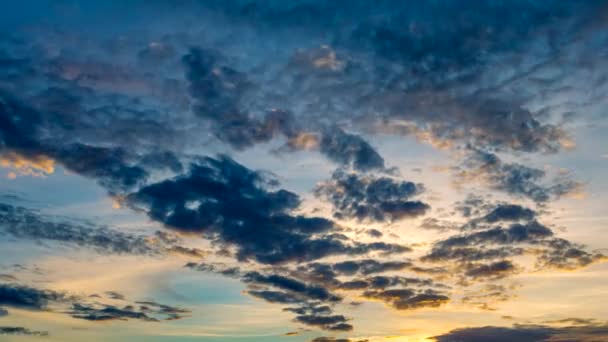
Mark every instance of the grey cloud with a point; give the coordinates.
(495, 270)
(263, 228)
(30, 224)
(370, 198)
(407, 299)
(335, 322)
(21, 331)
(515, 179)
(24, 297)
(528, 333)
(350, 150)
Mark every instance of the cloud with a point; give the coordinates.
(106, 313)
(509, 212)
(135, 114)
(495, 270)
(528, 333)
(264, 229)
(275, 296)
(333, 339)
(407, 299)
(333, 323)
(30, 298)
(350, 150)
(218, 89)
(308, 291)
(24, 223)
(515, 179)
(563, 254)
(368, 266)
(488, 295)
(24, 297)
(382, 282)
(21, 331)
(220, 92)
(370, 198)
(494, 234)
(7, 277)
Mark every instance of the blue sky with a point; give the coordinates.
(303, 171)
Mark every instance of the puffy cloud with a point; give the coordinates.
(25, 297)
(454, 75)
(494, 234)
(371, 198)
(509, 212)
(232, 205)
(515, 179)
(350, 150)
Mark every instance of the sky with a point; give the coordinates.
(304, 170)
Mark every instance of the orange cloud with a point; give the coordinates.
(37, 166)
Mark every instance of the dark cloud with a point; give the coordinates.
(332, 323)
(145, 311)
(528, 333)
(233, 205)
(495, 270)
(407, 299)
(375, 233)
(30, 224)
(530, 232)
(308, 291)
(382, 282)
(494, 234)
(394, 63)
(106, 313)
(350, 150)
(275, 296)
(131, 111)
(7, 277)
(515, 179)
(368, 266)
(370, 198)
(493, 243)
(563, 254)
(24, 297)
(509, 212)
(21, 331)
(218, 91)
(30, 298)
(167, 312)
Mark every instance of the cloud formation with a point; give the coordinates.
(528, 333)
(233, 205)
(370, 198)
(36, 299)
